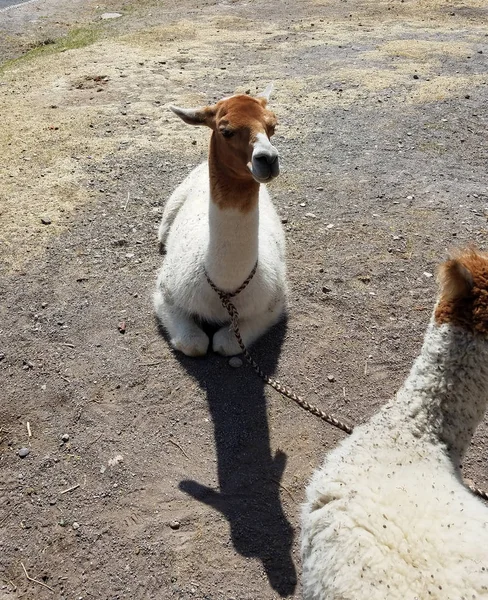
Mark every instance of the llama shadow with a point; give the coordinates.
(249, 475)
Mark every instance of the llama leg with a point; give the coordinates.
(224, 341)
(184, 333)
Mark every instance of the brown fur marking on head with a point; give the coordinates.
(464, 291)
(232, 183)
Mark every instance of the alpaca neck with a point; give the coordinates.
(447, 388)
(233, 223)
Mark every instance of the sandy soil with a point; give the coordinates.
(189, 474)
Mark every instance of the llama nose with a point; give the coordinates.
(266, 156)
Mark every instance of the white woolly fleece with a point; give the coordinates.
(387, 516)
(227, 242)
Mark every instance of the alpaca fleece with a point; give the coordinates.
(387, 515)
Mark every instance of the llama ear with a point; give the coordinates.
(265, 96)
(455, 279)
(195, 116)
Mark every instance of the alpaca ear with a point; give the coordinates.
(265, 96)
(195, 116)
(455, 279)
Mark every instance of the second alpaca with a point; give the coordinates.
(387, 515)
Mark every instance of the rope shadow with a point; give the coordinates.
(249, 475)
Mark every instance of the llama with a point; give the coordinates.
(387, 515)
(221, 222)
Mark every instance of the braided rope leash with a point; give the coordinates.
(283, 390)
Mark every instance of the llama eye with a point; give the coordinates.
(227, 133)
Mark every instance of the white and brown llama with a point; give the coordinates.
(387, 515)
(220, 222)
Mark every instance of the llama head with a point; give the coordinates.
(242, 127)
(463, 296)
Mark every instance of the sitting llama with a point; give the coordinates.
(387, 517)
(220, 222)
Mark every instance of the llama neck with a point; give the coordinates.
(447, 389)
(233, 224)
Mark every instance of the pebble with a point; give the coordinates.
(2, 356)
(46, 221)
(23, 452)
(76, 525)
(326, 289)
(320, 189)
(311, 215)
(174, 525)
(284, 220)
(121, 326)
(65, 437)
(303, 204)
(235, 362)
(330, 378)
(111, 15)
(428, 275)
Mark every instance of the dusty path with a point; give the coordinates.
(190, 474)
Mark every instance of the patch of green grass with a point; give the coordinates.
(78, 37)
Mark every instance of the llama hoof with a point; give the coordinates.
(225, 343)
(195, 346)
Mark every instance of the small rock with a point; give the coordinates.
(284, 220)
(65, 437)
(46, 221)
(311, 215)
(303, 204)
(235, 362)
(410, 197)
(325, 289)
(23, 452)
(43, 305)
(415, 76)
(174, 525)
(320, 189)
(2, 356)
(75, 525)
(121, 326)
(330, 226)
(428, 275)
(330, 378)
(467, 96)
(111, 15)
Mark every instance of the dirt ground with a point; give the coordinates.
(153, 476)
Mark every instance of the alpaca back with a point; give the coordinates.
(387, 515)
(388, 518)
